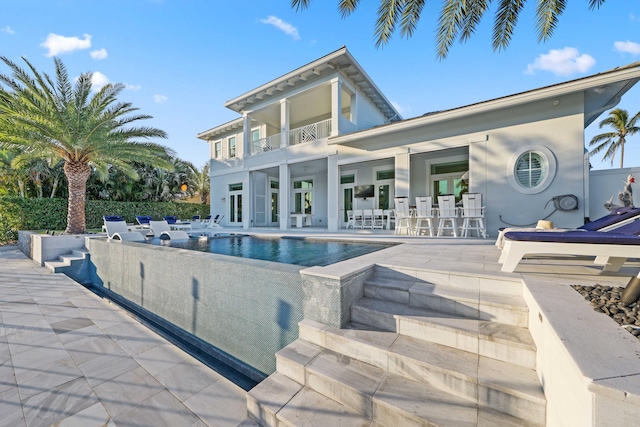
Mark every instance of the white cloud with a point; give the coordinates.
(61, 44)
(98, 54)
(98, 81)
(401, 109)
(160, 99)
(627, 47)
(132, 87)
(7, 30)
(562, 62)
(285, 27)
(634, 18)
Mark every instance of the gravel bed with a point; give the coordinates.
(606, 299)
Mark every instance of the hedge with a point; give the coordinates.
(17, 213)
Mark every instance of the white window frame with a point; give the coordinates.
(235, 147)
(217, 154)
(547, 178)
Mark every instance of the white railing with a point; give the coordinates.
(310, 133)
(265, 144)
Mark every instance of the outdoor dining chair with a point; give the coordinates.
(402, 215)
(447, 215)
(425, 214)
(472, 214)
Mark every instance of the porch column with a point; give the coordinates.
(246, 134)
(336, 106)
(333, 193)
(247, 202)
(284, 192)
(403, 169)
(284, 122)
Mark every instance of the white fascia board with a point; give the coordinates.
(220, 129)
(496, 104)
(287, 77)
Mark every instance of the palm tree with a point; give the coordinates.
(612, 141)
(458, 19)
(44, 118)
(203, 183)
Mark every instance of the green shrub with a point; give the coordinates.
(17, 213)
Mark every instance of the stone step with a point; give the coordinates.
(490, 339)
(498, 385)
(381, 399)
(279, 401)
(492, 282)
(503, 308)
(65, 260)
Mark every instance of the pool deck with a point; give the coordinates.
(71, 358)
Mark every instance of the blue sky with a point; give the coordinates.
(183, 59)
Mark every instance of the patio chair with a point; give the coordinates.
(472, 215)
(402, 214)
(195, 218)
(367, 218)
(610, 248)
(425, 214)
(118, 230)
(447, 214)
(616, 218)
(162, 230)
(358, 218)
(170, 219)
(143, 220)
(350, 221)
(112, 218)
(378, 219)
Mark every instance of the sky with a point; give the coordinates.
(181, 60)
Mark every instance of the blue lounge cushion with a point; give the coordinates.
(626, 235)
(617, 215)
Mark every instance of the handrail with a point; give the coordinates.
(310, 133)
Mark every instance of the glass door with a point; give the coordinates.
(347, 183)
(274, 191)
(235, 204)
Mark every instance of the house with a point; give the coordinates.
(305, 144)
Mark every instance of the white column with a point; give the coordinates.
(284, 122)
(247, 202)
(333, 193)
(246, 135)
(284, 192)
(403, 172)
(336, 106)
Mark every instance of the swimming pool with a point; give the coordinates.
(289, 250)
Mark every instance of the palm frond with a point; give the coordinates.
(505, 22)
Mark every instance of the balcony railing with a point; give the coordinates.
(265, 144)
(310, 133)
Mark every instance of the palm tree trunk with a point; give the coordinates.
(54, 188)
(622, 155)
(77, 174)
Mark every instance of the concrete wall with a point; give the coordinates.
(43, 247)
(247, 308)
(607, 183)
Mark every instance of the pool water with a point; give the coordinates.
(296, 251)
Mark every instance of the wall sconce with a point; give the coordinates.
(223, 200)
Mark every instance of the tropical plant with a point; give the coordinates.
(458, 19)
(46, 118)
(203, 183)
(611, 142)
(12, 177)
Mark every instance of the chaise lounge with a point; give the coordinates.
(118, 230)
(610, 248)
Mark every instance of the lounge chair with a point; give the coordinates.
(163, 230)
(143, 220)
(610, 248)
(118, 230)
(617, 218)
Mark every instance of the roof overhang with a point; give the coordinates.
(340, 61)
(217, 131)
(601, 92)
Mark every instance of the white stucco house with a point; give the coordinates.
(310, 140)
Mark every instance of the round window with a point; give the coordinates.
(532, 169)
